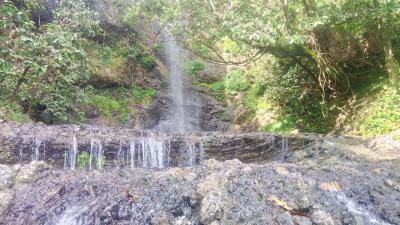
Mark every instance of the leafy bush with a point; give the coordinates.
(139, 56)
(234, 82)
(147, 61)
(43, 69)
(109, 105)
(281, 125)
(141, 94)
(193, 67)
(217, 88)
(252, 95)
(383, 114)
(12, 112)
(83, 160)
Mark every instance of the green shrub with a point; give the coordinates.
(283, 124)
(383, 114)
(139, 55)
(147, 61)
(217, 88)
(83, 160)
(252, 95)
(12, 112)
(193, 67)
(141, 94)
(108, 104)
(235, 82)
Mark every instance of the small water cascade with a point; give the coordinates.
(96, 156)
(38, 150)
(132, 154)
(71, 154)
(146, 152)
(192, 154)
(91, 148)
(284, 149)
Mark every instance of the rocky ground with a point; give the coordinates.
(336, 182)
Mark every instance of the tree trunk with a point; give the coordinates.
(390, 63)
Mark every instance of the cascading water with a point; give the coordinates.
(191, 154)
(184, 111)
(71, 154)
(36, 148)
(146, 152)
(96, 156)
(284, 149)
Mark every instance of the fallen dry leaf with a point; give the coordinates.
(330, 186)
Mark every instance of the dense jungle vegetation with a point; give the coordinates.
(309, 65)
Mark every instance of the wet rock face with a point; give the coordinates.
(23, 143)
(223, 193)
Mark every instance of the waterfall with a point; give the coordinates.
(37, 146)
(184, 109)
(132, 150)
(71, 154)
(192, 154)
(96, 154)
(284, 149)
(154, 151)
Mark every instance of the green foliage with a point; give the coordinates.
(141, 94)
(327, 39)
(108, 105)
(147, 61)
(106, 54)
(42, 70)
(83, 160)
(76, 18)
(139, 55)
(251, 96)
(217, 89)
(297, 99)
(383, 114)
(160, 8)
(193, 67)
(157, 47)
(283, 124)
(235, 82)
(12, 112)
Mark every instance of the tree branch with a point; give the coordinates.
(19, 82)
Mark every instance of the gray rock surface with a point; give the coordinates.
(6, 177)
(323, 187)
